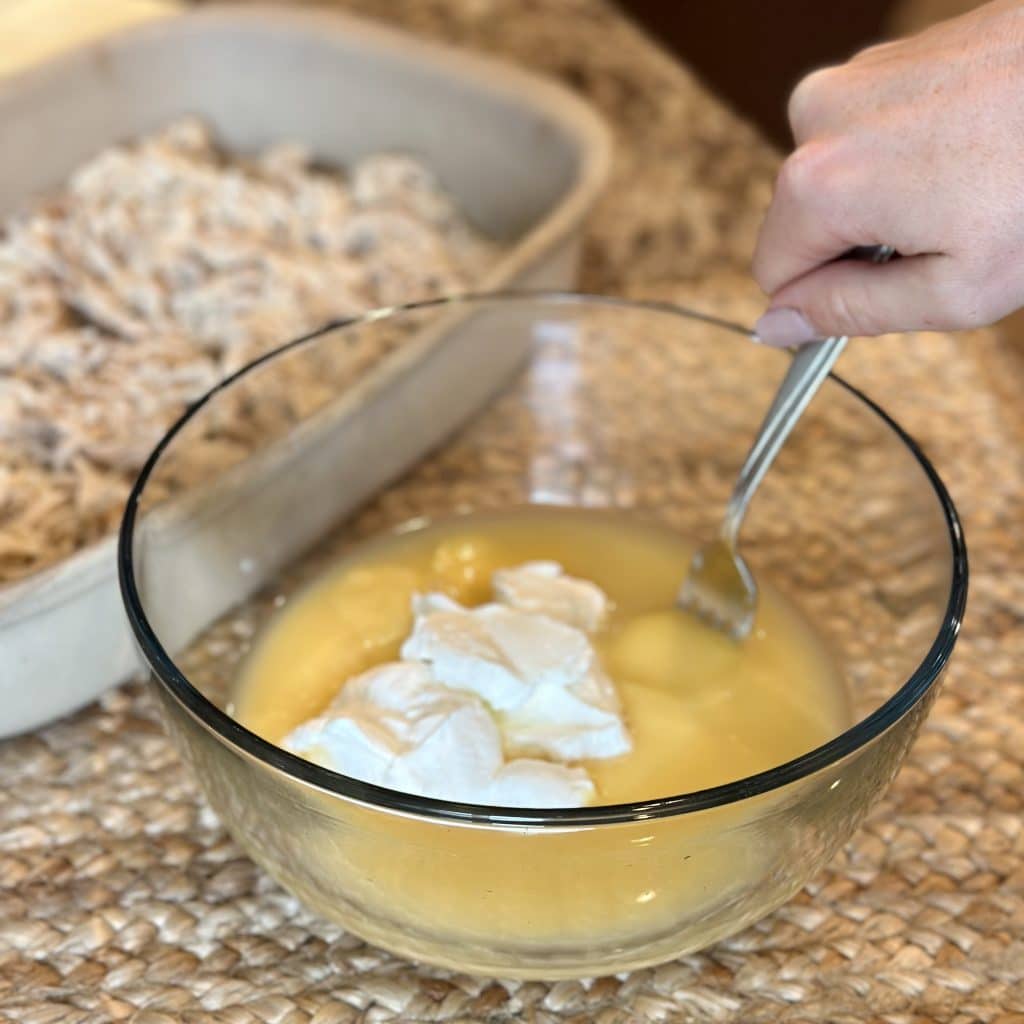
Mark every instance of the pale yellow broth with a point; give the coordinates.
(701, 709)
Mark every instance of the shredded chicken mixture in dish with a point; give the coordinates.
(160, 267)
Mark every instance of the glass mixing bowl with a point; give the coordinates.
(561, 399)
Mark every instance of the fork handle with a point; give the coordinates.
(810, 366)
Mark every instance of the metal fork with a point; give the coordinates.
(720, 588)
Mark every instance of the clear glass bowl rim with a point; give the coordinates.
(226, 730)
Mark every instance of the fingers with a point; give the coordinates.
(829, 195)
(814, 216)
(810, 103)
(906, 145)
(854, 298)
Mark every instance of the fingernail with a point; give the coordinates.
(783, 327)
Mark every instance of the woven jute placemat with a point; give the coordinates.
(123, 899)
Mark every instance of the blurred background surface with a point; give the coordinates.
(753, 53)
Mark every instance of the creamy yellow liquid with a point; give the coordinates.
(701, 710)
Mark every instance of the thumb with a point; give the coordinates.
(854, 298)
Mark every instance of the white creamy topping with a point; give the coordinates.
(568, 723)
(396, 726)
(517, 679)
(542, 588)
(499, 653)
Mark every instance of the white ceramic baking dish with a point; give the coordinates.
(522, 157)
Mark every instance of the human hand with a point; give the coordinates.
(918, 144)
